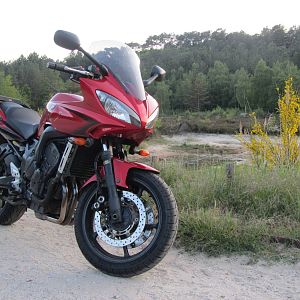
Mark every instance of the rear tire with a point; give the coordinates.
(162, 237)
(9, 214)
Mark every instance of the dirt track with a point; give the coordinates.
(40, 260)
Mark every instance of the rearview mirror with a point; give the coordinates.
(158, 72)
(67, 40)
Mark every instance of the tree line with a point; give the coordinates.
(204, 70)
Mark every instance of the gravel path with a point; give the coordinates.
(40, 260)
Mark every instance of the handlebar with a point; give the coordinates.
(55, 66)
(66, 69)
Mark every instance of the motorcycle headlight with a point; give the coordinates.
(152, 119)
(118, 109)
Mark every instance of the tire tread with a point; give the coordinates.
(10, 214)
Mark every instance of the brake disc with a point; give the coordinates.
(145, 234)
(118, 239)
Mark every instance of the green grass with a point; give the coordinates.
(240, 215)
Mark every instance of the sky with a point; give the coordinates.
(29, 25)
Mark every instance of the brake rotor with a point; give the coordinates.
(146, 233)
(129, 234)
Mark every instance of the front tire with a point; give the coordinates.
(122, 252)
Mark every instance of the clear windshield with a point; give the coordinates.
(123, 62)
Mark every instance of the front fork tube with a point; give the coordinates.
(113, 198)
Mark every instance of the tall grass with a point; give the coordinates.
(219, 215)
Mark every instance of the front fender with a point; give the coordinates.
(121, 169)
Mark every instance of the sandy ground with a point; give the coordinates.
(224, 140)
(40, 260)
(234, 151)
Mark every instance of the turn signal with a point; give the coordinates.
(78, 141)
(143, 152)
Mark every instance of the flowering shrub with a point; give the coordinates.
(268, 151)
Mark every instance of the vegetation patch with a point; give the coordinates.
(219, 120)
(244, 209)
(252, 212)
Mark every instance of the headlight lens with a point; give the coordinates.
(152, 119)
(117, 109)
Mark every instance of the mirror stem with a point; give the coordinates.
(150, 80)
(102, 68)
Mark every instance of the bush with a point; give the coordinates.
(285, 151)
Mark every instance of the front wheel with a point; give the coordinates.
(141, 240)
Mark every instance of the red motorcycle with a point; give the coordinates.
(70, 165)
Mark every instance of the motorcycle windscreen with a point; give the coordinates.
(123, 62)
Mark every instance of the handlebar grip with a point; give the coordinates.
(66, 69)
(55, 66)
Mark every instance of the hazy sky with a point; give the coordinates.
(29, 25)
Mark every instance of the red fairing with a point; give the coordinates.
(63, 112)
(121, 169)
(85, 116)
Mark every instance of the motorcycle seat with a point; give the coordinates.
(23, 120)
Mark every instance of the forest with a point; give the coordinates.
(205, 70)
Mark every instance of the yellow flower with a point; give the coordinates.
(264, 150)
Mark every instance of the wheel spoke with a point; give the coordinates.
(151, 226)
(126, 252)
